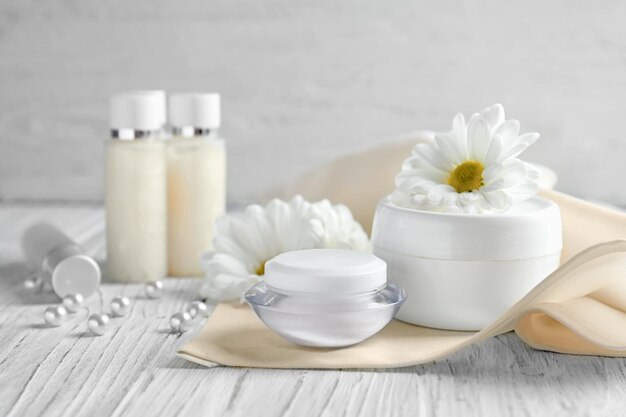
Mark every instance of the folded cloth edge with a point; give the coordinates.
(505, 323)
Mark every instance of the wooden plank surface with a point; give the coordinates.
(133, 370)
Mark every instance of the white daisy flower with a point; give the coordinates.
(245, 241)
(471, 169)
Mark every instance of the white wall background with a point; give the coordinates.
(304, 81)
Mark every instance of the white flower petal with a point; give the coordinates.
(453, 151)
(529, 138)
(225, 244)
(417, 185)
(514, 171)
(437, 193)
(494, 151)
(492, 172)
(429, 154)
(494, 115)
(459, 134)
(508, 132)
(520, 145)
(450, 198)
(498, 199)
(452, 209)
(468, 198)
(428, 174)
(533, 172)
(493, 185)
(523, 190)
(226, 263)
(478, 138)
(402, 198)
(419, 200)
(249, 236)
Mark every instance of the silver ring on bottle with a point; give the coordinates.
(190, 131)
(132, 134)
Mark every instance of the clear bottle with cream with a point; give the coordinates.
(196, 169)
(136, 188)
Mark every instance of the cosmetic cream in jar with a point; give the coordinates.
(463, 271)
(325, 297)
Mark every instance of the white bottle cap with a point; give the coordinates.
(76, 274)
(326, 271)
(139, 110)
(197, 110)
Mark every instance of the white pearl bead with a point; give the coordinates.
(198, 309)
(55, 315)
(98, 324)
(180, 322)
(154, 289)
(72, 302)
(33, 283)
(120, 306)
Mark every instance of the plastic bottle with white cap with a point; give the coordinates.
(196, 179)
(136, 188)
(60, 262)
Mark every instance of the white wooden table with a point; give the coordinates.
(133, 370)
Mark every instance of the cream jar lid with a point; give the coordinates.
(532, 228)
(326, 271)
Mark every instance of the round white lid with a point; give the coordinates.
(326, 271)
(532, 228)
(199, 110)
(78, 274)
(139, 110)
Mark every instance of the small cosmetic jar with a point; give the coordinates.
(462, 271)
(325, 297)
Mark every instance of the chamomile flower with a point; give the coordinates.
(474, 168)
(245, 241)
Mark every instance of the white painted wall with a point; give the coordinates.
(305, 81)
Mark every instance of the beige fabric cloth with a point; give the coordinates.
(579, 309)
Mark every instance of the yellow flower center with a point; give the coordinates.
(260, 271)
(467, 176)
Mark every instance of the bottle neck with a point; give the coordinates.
(191, 132)
(58, 254)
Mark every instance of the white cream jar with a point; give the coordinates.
(462, 271)
(325, 297)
